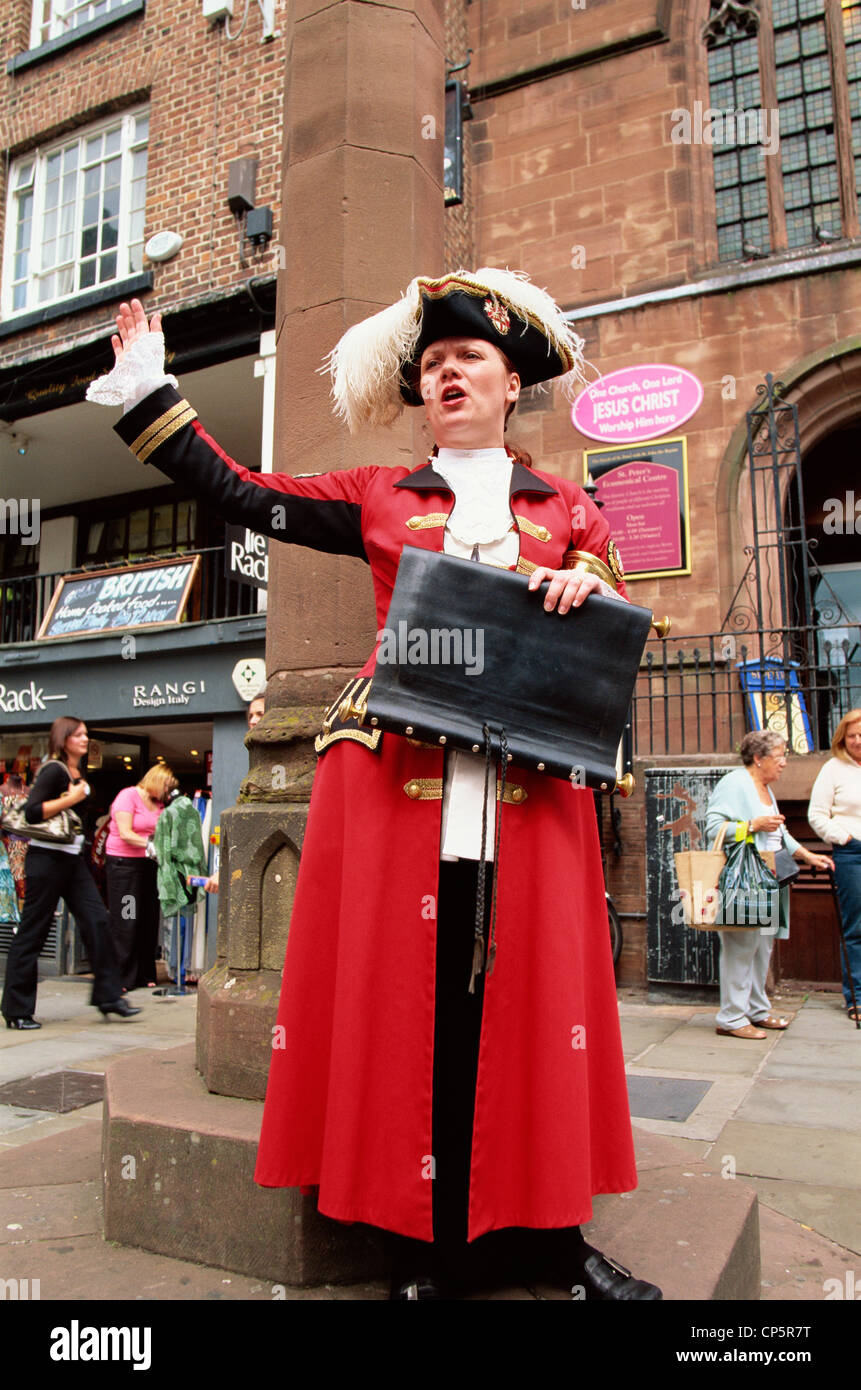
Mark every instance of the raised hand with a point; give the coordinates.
(131, 325)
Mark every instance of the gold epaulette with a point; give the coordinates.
(338, 725)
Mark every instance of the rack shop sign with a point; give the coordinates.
(152, 595)
(28, 699)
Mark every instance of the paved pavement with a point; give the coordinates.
(780, 1115)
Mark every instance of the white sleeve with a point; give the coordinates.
(139, 374)
(820, 812)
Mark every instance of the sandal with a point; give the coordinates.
(771, 1022)
(748, 1031)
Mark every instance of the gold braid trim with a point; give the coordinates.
(430, 789)
(539, 532)
(161, 429)
(426, 523)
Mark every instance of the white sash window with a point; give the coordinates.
(75, 218)
(54, 19)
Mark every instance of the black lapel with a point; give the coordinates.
(426, 479)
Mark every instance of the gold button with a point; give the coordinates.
(375, 721)
(517, 794)
(442, 738)
(540, 765)
(408, 729)
(414, 523)
(543, 533)
(413, 790)
(603, 786)
(476, 747)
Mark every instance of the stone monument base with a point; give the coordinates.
(179, 1180)
(179, 1163)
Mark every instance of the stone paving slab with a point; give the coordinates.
(832, 1105)
(796, 1261)
(40, 1213)
(723, 1098)
(694, 1050)
(823, 1157)
(109, 1272)
(73, 1155)
(14, 1117)
(833, 1212)
(823, 1025)
(812, 1060)
(638, 1034)
(48, 1126)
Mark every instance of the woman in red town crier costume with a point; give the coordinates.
(413, 1103)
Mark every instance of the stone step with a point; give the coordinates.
(179, 1161)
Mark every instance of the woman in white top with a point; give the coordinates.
(834, 814)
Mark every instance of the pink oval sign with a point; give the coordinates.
(637, 403)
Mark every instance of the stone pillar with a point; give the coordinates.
(363, 213)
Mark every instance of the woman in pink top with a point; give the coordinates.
(132, 895)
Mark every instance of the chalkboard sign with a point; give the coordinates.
(110, 600)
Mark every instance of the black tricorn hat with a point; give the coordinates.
(374, 367)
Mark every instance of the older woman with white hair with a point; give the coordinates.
(744, 798)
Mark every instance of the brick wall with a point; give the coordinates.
(211, 100)
(576, 181)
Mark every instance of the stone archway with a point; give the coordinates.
(826, 387)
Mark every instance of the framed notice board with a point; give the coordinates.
(644, 491)
(152, 595)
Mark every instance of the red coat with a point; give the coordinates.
(348, 1106)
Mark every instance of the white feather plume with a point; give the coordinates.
(366, 365)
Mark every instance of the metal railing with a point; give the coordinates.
(24, 600)
(690, 695)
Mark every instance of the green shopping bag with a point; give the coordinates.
(749, 891)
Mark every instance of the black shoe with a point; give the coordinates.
(418, 1287)
(119, 1006)
(28, 1022)
(604, 1280)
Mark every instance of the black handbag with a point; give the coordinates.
(469, 647)
(61, 829)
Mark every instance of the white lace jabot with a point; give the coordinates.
(480, 480)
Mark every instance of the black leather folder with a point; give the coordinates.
(467, 645)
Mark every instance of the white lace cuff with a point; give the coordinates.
(140, 373)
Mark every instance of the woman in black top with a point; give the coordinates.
(59, 871)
